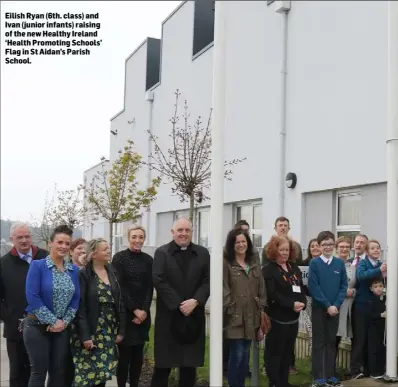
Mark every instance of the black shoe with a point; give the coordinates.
(249, 375)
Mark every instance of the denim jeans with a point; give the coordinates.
(238, 365)
(47, 352)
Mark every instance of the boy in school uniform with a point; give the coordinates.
(377, 325)
(327, 284)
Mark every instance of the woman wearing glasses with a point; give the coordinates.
(100, 319)
(343, 248)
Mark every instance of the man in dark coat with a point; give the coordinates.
(181, 276)
(13, 271)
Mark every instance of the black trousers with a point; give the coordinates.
(280, 343)
(69, 366)
(376, 347)
(19, 363)
(359, 354)
(160, 377)
(324, 331)
(130, 363)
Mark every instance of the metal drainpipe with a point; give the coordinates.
(392, 192)
(282, 133)
(149, 96)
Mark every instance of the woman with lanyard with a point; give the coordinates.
(286, 299)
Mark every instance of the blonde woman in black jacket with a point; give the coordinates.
(100, 319)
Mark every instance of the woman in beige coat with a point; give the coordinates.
(343, 248)
(244, 301)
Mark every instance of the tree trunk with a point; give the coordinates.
(111, 237)
(191, 206)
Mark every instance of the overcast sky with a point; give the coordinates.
(55, 112)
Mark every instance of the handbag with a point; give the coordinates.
(265, 323)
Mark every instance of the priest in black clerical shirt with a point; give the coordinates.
(181, 276)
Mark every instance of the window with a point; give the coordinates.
(203, 227)
(118, 238)
(252, 213)
(348, 215)
(203, 26)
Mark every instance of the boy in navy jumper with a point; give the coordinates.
(377, 324)
(327, 284)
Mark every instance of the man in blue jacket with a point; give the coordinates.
(327, 284)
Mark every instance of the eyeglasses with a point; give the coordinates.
(342, 247)
(327, 244)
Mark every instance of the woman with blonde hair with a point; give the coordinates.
(100, 319)
(135, 270)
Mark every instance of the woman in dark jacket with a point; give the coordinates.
(286, 299)
(135, 270)
(100, 319)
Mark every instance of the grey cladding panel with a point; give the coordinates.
(164, 223)
(318, 214)
(374, 212)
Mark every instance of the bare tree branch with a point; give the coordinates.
(187, 163)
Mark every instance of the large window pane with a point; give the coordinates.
(349, 209)
(245, 213)
(257, 240)
(257, 218)
(204, 228)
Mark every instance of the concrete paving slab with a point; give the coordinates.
(368, 382)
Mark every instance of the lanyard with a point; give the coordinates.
(288, 276)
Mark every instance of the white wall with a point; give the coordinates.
(99, 227)
(336, 99)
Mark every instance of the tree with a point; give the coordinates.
(114, 194)
(44, 226)
(187, 163)
(69, 208)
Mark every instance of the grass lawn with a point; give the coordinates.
(303, 378)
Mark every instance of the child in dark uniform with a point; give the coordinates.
(377, 347)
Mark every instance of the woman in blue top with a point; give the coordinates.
(52, 293)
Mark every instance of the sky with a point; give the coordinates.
(55, 112)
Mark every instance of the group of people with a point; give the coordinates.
(79, 317)
(345, 298)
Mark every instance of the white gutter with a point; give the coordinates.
(217, 192)
(392, 192)
(284, 10)
(149, 96)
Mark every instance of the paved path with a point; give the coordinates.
(4, 370)
(368, 382)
